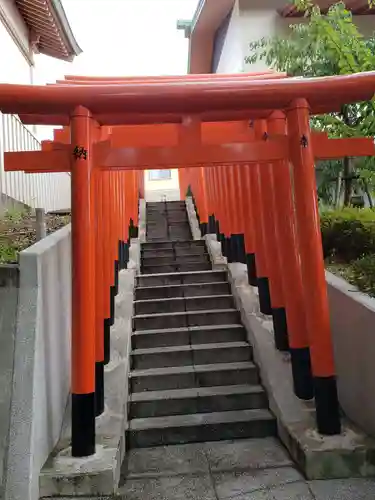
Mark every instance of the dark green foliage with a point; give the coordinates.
(363, 274)
(348, 234)
(348, 238)
(326, 45)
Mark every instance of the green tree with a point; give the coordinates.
(326, 45)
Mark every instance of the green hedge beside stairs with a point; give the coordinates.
(348, 237)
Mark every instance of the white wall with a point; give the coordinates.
(49, 191)
(253, 19)
(14, 68)
(352, 316)
(41, 373)
(265, 22)
(256, 24)
(160, 190)
(232, 56)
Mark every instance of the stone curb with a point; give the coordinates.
(214, 250)
(98, 476)
(351, 454)
(193, 221)
(142, 221)
(320, 457)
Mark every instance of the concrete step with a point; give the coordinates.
(181, 304)
(168, 228)
(198, 354)
(156, 246)
(174, 217)
(177, 268)
(165, 235)
(187, 244)
(172, 226)
(156, 262)
(167, 206)
(166, 210)
(174, 259)
(161, 238)
(156, 205)
(165, 213)
(162, 206)
(168, 231)
(197, 400)
(187, 318)
(184, 377)
(190, 278)
(177, 220)
(201, 427)
(175, 225)
(188, 336)
(172, 252)
(172, 291)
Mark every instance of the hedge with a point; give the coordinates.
(348, 238)
(348, 234)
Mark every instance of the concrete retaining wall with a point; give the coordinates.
(353, 329)
(9, 279)
(41, 379)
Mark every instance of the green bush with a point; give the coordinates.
(348, 234)
(362, 274)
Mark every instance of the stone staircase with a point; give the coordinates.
(192, 376)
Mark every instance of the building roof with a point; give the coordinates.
(211, 13)
(50, 32)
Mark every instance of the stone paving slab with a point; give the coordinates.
(233, 484)
(248, 469)
(166, 460)
(344, 489)
(291, 491)
(170, 488)
(198, 488)
(246, 454)
(223, 456)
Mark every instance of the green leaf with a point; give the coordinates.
(326, 45)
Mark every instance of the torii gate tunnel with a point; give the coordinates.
(243, 145)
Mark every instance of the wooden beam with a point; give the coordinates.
(56, 157)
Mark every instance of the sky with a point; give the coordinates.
(123, 37)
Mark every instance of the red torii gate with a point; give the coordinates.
(169, 100)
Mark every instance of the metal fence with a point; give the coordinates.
(48, 191)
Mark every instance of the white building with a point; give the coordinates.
(162, 185)
(29, 27)
(221, 30)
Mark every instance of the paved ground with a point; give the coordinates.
(253, 469)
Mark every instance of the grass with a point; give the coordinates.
(356, 273)
(17, 231)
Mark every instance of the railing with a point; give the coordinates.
(48, 191)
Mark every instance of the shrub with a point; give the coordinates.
(362, 273)
(348, 234)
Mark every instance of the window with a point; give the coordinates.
(159, 175)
